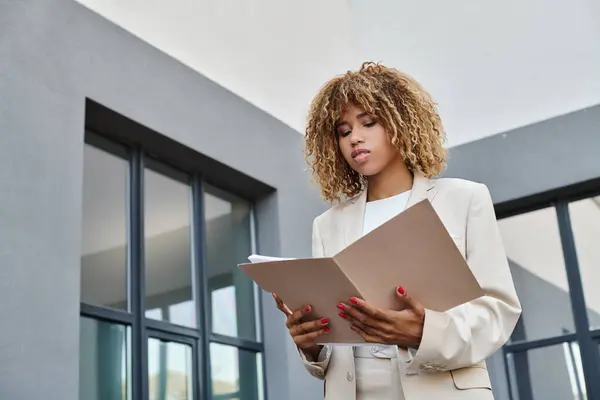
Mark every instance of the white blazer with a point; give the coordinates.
(450, 361)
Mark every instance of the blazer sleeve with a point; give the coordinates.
(318, 368)
(469, 333)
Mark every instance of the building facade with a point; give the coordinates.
(146, 150)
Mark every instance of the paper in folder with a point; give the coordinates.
(413, 249)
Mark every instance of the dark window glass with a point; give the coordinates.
(534, 250)
(104, 229)
(169, 370)
(228, 243)
(235, 373)
(169, 292)
(585, 221)
(104, 366)
(531, 372)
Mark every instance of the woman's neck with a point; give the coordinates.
(391, 181)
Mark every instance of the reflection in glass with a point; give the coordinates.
(235, 373)
(169, 294)
(228, 243)
(104, 361)
(532, 378)
(169, 370)
(534, 250)
(585, 221)
(104, 245)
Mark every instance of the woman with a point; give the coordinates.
(375, 142)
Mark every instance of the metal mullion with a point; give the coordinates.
(169, 328)
(202, 384)
(520, 346)
(589, 355)
(509, 383)
(242, 344)
(259, 318)
(105, 314)
(136, 276)
(171, 337)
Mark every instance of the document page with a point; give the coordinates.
(257, 258)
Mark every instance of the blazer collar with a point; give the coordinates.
(353, 214)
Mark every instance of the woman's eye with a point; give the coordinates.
(344, 134)
(370, 124)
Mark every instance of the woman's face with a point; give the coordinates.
(364, 142)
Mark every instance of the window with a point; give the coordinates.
(555, 262)
(165, 312)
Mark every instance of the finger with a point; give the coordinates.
(369, 309)
(284, 309)
(295, 317)
(372, 331)
(409, 301)
(364, 335)
(350, 312)
(309, 339)
(378, 329)
(309, 327)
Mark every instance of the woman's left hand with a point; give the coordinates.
(403, 328)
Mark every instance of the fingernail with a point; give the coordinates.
(401, 290)
(353, 328)
(354, 300)
(273, 294)
(343, 315)
(324, 321)
(341, 306)
(326, 329)
(307, 309)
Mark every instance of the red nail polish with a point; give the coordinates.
(324, 321)
(326, 329)
(401, 290)
(341, 306)
(353, 328)
(354, 300)
(343, 315)
(307, 309)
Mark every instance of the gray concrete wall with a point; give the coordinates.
(53, 55)
(558, 152)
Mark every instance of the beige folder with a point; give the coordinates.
(413, 249)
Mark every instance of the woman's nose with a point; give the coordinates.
(356, 137)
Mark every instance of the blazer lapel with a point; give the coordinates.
(423, 188)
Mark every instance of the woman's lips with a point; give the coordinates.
(361, 155)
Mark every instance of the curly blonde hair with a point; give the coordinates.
(400, 105)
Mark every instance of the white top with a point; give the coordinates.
(377, 213)
(380, 211)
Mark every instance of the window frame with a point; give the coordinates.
(515, 351)
(142, 328)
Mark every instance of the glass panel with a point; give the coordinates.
(169, 294)
(104, 227)
(169, 370)
(585, 221)
(104, 361)
(532, 379)
(534, 250)
(235, 374)
(228, 243)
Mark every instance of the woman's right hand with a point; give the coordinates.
(304, 334)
